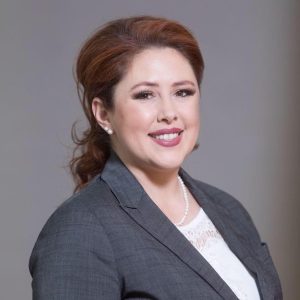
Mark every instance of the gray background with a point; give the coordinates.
(249, 142)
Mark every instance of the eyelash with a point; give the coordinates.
(145, 95)
(187, 92)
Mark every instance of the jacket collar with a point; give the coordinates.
(134, 200)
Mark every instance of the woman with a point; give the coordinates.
(139, 227)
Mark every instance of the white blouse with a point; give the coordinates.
(204, 236)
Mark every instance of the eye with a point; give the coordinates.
(143, 95)
(185, 92)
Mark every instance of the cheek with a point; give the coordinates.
(135, 118)
(194, 124)
(142, 116)
(192, 116)
(196, 113)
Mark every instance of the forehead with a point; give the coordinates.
(159, 64)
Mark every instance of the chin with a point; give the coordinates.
(168, 163)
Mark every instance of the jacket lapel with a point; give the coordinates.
(149, 216)
(218, 216)
(144, 211)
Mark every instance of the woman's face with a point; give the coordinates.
(155, 120)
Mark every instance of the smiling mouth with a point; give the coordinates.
(166, 136)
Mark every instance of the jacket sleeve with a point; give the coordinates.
(73, 259)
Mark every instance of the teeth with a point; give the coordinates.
(166, 137)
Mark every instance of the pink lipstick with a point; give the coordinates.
(167, 137)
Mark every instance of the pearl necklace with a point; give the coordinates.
(186, 200)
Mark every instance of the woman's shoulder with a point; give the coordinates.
(81, 208)
(77, 218)
(227, 204)
(212, 193)
(231, 207)
(219, 196)
(68, 247)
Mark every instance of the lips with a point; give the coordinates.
(167, 137)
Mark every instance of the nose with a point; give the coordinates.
(167, 111)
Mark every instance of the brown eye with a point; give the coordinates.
(185, 92)
(143, 95)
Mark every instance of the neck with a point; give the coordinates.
(158, 178)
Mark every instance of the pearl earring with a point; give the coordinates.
(108, 130)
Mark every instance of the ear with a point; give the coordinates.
(101, 113)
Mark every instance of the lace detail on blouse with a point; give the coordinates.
(204, 236)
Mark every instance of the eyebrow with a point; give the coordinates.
(149, 83)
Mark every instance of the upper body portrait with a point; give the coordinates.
(138, 226)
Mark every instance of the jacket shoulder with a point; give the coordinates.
(217, 195)
(80, 207)
(73, 254)
(231, 207)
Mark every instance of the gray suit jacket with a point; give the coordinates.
(110, 241)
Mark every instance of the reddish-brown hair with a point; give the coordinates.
(102, 63)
